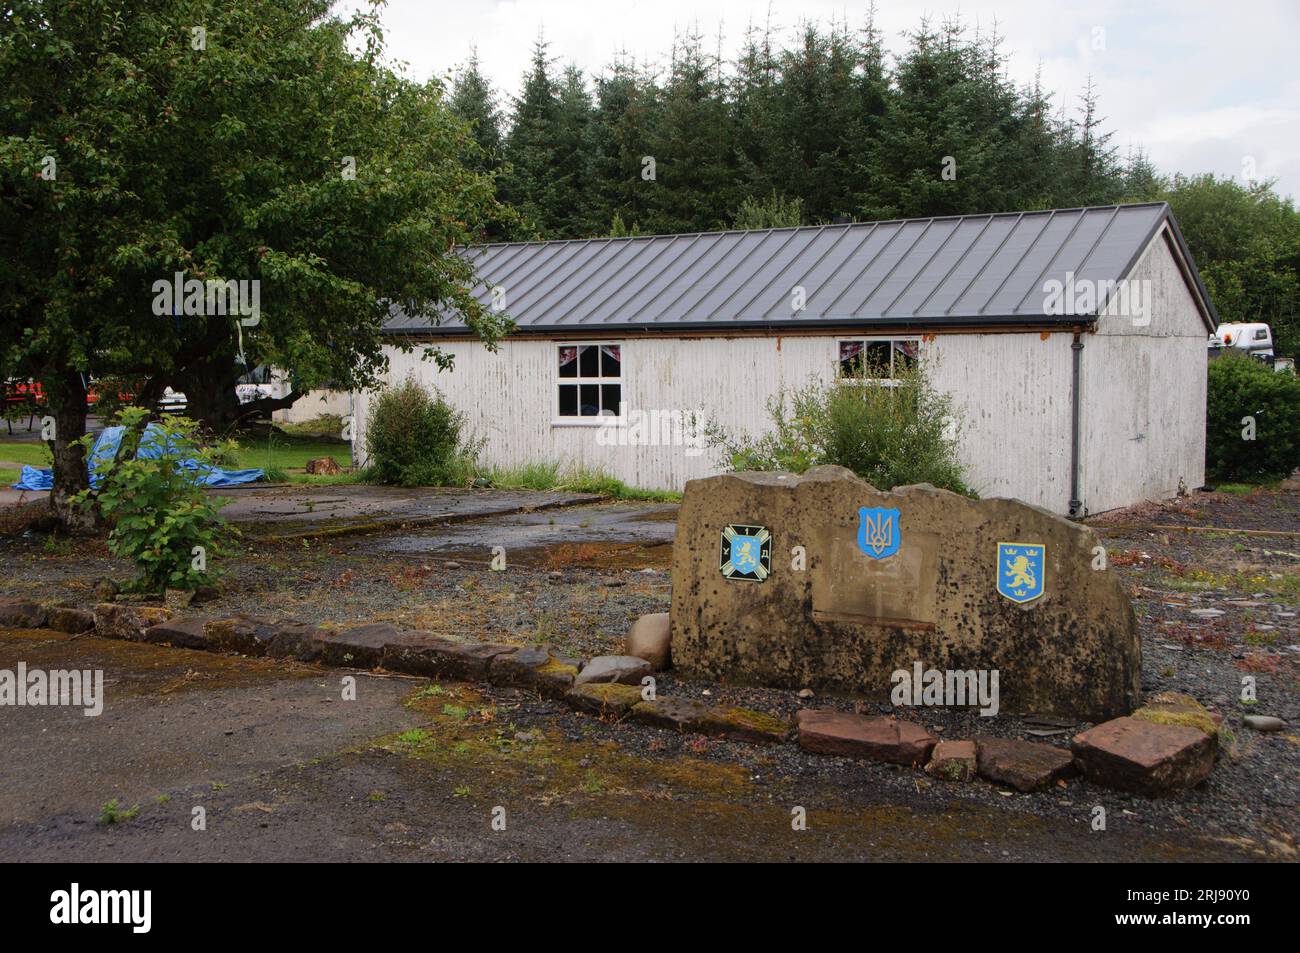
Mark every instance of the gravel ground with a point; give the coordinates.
(581, 597)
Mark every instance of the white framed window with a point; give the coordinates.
(877, 360)
(588, 382)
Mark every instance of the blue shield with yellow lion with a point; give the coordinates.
(1022, 571)
(879, 532)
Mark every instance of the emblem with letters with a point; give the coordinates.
(879, 532)
(1022, 571)
(746, 553)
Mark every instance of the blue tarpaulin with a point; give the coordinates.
(151, 448)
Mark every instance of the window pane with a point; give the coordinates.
(877, 357)
(905, 353)
(588, 361)
(568, 400)
(610, 395)
(589, 405)
(568, 362)
(850, 359)
(611, 361)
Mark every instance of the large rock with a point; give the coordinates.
(859, 736)
(952, 761)
(650, 638)
(1146, 757)
(742, 724)
(624, 669)
(678, 714)
(540, 669)
(363, 646)
(860, 611)
(1171, 708)
(297, 640)
(1024, 765)
(603, 698)
(114, 620)
(420, 653)
(244, 634)
(182, 634)
(70, 619)
(21, 614)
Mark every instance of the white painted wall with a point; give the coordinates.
(1144, 392)
(1012, 390)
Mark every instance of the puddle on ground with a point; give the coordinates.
(612, 535)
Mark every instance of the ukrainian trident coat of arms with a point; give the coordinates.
(879, 532)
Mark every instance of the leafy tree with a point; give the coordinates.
(1246, 243)
(1252, 420)
(775, 211)
(217, 141)
(151, 492)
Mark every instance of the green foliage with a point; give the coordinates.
(414, 438)
(550, 475)
(158, 510)
(775, 211)
(225, 163)
(1246, 242)
(890, 435)
(1239, 387)
(113, 813)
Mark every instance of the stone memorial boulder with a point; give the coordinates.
(821, 581)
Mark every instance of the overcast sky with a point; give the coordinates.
(1202, 87)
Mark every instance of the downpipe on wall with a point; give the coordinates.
(1076, 412)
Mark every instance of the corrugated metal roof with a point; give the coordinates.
(960, 270)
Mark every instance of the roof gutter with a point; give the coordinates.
(914, 325)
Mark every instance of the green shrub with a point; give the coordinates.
(157, 508)
(414, 438)
(888, 435)
(1242, 389)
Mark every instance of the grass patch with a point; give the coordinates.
(34, 454)
(281, 451)
(1245, 489)
(114, 813)
(549, 475)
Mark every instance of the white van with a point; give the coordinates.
(1256, 339)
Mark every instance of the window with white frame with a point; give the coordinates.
(877, 359)
(589, 381)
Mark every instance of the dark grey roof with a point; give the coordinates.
(960, 270)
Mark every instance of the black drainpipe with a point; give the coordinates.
(1076, 505)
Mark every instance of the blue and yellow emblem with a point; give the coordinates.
(746, 553)
(879, 532)
(1022, 571)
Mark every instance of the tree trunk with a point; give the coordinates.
(210, 398)
(67, 403)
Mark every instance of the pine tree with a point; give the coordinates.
(691, 146)
(529, 182)
(474, 100)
